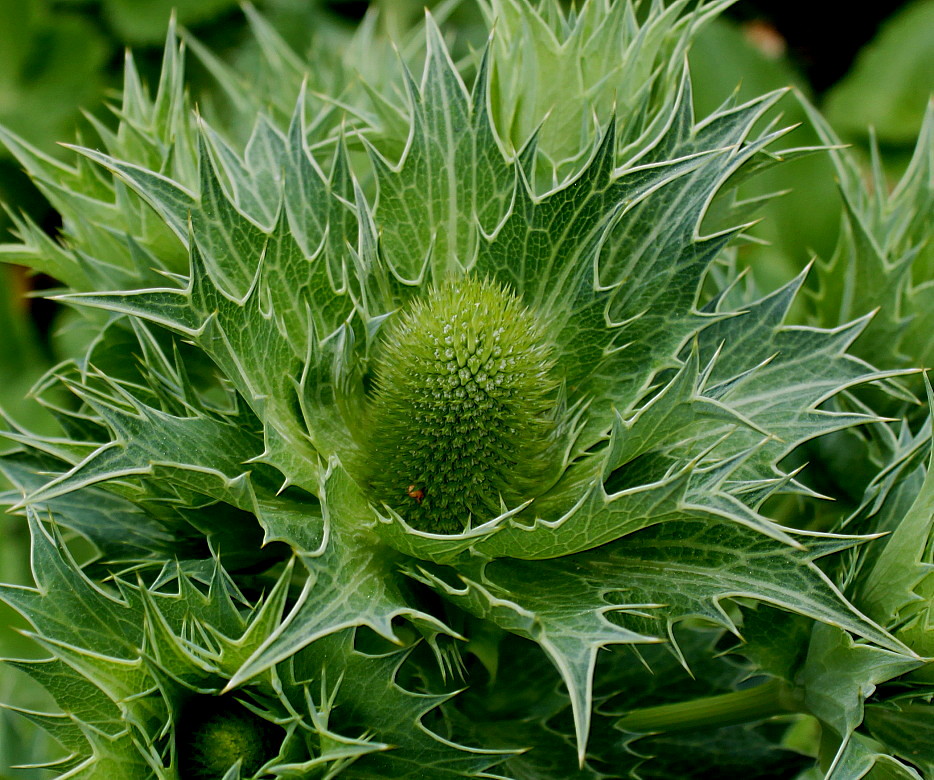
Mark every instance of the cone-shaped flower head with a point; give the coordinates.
(459, 418)
(214, 734)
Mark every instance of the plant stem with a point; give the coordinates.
(772, 698)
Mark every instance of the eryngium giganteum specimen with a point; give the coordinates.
(409, 396)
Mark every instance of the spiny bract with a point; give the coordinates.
(426, 408)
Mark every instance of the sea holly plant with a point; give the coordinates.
(405, 447)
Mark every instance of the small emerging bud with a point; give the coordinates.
(215, 732)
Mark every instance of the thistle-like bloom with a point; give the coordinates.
(458, 421)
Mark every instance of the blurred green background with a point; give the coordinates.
(62, 58)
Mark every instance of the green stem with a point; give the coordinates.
(772, 698)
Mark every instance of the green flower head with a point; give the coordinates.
(459, 418)
(214, 733)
